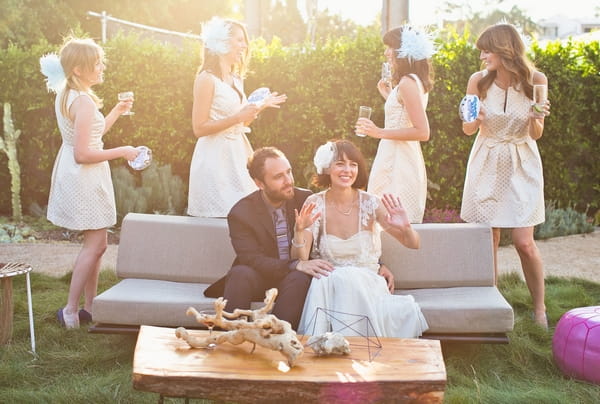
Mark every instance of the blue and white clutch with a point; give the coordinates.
(469, 108)
(259, 95)
(143, 159)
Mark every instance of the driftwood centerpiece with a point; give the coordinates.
(255, 326)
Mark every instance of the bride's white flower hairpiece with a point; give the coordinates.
(416, 45)
(215, 35)
(324, 156)
(55, 75)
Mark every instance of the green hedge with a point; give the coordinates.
(325, 86)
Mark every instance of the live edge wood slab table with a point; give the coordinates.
(401, 370)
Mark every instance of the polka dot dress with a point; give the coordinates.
(81, 195)
(504, 185)
(399, 167)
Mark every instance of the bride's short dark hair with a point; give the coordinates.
(348, 149)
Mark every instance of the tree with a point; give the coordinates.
(25, 22)
(462, 17)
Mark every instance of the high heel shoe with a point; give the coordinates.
(542, 320)
(85, 317)
(67, 320)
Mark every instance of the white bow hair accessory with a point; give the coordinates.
(55, 75)
(416, 45)
(215, 36)
(324, 156)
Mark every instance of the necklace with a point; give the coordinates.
(341, 211)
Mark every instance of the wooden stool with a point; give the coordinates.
(7, 271)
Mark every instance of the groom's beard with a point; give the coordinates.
(277, 196)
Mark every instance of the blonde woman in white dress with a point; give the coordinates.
(399, 168)
(504, 184)
(342, 225)
(81, 192)
(220, 118)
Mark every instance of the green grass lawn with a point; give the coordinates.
(77, 367)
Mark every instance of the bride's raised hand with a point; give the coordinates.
(397, 216)
(305, 217)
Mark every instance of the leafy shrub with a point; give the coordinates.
(562, 222)
(435, 215)
(159, 191)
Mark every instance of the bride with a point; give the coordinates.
(343, 224)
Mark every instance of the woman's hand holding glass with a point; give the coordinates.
(365, 127)
(125, 103)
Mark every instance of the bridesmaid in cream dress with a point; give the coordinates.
(504, 185)
(399, 168)
(342, 225)
(81, 192)
(221, 113)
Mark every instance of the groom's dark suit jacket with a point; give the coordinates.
(253, 237)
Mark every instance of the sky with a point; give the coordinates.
(422, 12)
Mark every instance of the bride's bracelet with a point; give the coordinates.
(298, 245)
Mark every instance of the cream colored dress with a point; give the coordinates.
(504, 184)
(354, 292)
(218, 174)
(399, 168)
(81, 195)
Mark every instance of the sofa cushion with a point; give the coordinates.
(151, 302)
(174, 248)
(451, 254)
(464, 309)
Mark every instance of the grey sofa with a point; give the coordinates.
(166, 262)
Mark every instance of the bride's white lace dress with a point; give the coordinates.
(354, 287)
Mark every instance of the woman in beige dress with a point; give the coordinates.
(220, 118)
(399, 168)
(504, 184)
(81, 192)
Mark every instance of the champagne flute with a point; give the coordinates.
(126, 96)
(386, 73)
(364, 112)
(540, 95)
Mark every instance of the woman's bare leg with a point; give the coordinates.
(533, 270)
(85, 271)
(496, 245)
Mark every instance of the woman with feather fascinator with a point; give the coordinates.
(399, 168)
(221, 114)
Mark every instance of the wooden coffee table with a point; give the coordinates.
(401, 370)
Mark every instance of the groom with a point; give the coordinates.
(261, 229)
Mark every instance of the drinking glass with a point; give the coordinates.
(125, 96)
(364, 112)
(540, 95)
(386, 73)
(209, 323)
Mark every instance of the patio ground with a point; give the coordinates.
(570, 256)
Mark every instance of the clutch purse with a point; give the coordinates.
(469, 108)
(143, 159)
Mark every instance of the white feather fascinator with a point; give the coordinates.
(416, 45)
(323, 157)
(51, 68)
(215, 35)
